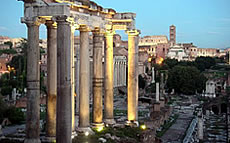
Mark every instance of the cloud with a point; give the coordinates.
(213, 32)
(3, 28)
(222, 19)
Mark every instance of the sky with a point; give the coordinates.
(205, 23)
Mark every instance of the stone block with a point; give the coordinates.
(162, 103)
(156, 107)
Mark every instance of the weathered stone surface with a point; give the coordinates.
(64, 103)
(51, 79)
(84, 78)
(108, 79)
(33, 83)
(97, 77)
(132, 76)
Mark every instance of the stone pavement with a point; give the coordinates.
(176, 133)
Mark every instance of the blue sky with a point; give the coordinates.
(206, 23)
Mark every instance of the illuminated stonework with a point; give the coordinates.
(68, 16)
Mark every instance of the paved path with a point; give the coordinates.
(176, 132)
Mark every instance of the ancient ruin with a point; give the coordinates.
(62, 18)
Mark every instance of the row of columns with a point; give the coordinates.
(119, 73)
(61, 69)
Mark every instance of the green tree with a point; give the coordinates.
(184, 79)
(6, 90)
(170, 62)
(9, 43)
(15, 115)
(203, 63)
(8, 51)
(3, 107)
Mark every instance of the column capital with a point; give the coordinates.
(98, 31)
(109, 32)
(35, 21)
(63, 19)
(51, 24)
(133, 32)
(84, 28)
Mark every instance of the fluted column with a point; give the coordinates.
(114, 75)
(108, 105)
(51, 79)
(132, 75)
(84, 78)
(33, 84)
(98, 38)
(118, 73)
(64, 99)
(73, 77)
(123, 73)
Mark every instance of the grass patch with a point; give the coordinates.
(122, 133)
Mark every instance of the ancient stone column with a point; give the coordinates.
(84, 78)
(200, 127)
(77, 71)
(64, 98)
(98, 38)
(153, 75)
(51, 79)
(132, 75)
(122, 73)
(162, 85)
(108, 81)
(115, 74)
(33, 84)
(157, 92)
(73, 77)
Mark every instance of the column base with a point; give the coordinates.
(162, 103)
(32, 141)
(98, 125)
(157, 107)
(132, 123)
(109, 122)
(85, 130)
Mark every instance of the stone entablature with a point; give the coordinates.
(120, 64)
(79, 13)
